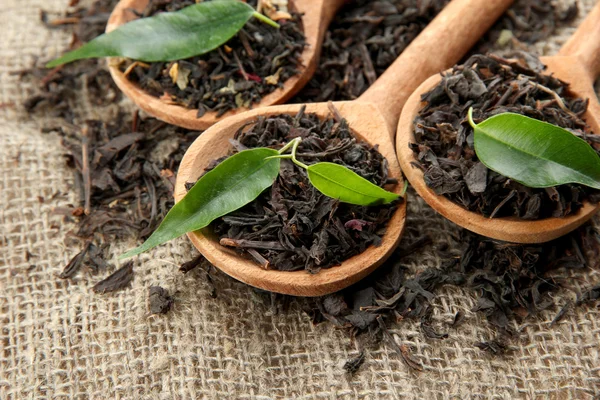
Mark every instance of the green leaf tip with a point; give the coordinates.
(535, 153)
(265, 19)
(170, 36)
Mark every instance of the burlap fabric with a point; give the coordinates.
(60, 340)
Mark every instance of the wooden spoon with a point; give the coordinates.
(316, 15)
(373, 117)
(578, 63)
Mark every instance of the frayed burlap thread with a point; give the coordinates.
(60, 340)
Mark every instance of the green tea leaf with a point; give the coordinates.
(535, 153)
(232, 184)
(169, 36)
(339, 182)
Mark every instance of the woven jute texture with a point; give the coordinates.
(58, 339)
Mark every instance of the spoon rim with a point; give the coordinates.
(298, 283)
(509, 229)
(186, 117)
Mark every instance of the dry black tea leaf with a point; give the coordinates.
(495, 347)
(193, 263)
(427, 328)
(563, 311)
(117, 280)
(402, 350)
(589, 295)
(160, 301)
(459, 318)
(352, 365)
(75, 264)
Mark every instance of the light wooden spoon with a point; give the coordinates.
(316, 17)
(373, 117)
(578, 63)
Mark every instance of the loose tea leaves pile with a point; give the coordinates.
(292, 226)
(124, 176)
(367, 36)
(254, 63)
(362, 41)
(493, 85)
(88, 22)
(512, 282)
(527, 22)
(59, 89)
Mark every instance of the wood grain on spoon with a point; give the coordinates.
(316, 15)
(373, 118)
(577, 63)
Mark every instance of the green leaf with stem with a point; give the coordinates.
(339, 182)
(170, 36)
(232, 184)
(534, 153)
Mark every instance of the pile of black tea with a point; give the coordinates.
(292, 226)
(58, 91)
(362, 41)
(124, 177)
(527, 22)
(511, 282)
(494, 85)
(252, 64)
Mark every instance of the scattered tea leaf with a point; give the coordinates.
(353, 364)
(169, 36)
(340, 183)
(589, 295)
(535, 153)
(160, 301)
(117, 280)
(563, 311)
(230, 185)
(75, 264)
(495, 346)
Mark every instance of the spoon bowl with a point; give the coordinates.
(577, 63)
(315, 15)
(373, 117)
(214, 143)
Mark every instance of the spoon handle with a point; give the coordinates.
(585, 43)
(439, 46)
(328, 11)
